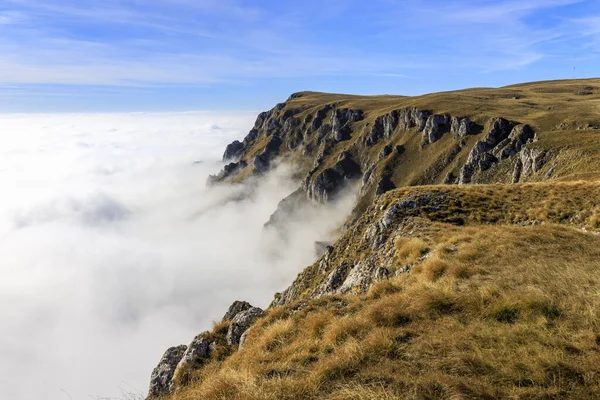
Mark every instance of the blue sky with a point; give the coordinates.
(150, 55)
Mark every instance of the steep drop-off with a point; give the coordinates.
(468, 268)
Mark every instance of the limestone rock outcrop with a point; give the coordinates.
(325, 186)
(262, 162)
(235, 308)
(233, 151)
(160, 380)
(480, 158)
(240, 323)
(435, 127)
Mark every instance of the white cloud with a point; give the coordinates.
(113, 249)
(187, 42)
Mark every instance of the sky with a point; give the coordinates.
(177, 55)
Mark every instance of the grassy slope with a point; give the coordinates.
(567, 124)
(502, 300)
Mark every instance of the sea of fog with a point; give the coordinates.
(112, 247)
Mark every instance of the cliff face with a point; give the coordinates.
(473, 136)
(414, 161)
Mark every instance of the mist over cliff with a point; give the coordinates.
(113, 247)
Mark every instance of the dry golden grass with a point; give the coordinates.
(517, 317)
(503, 297)
(410, 249)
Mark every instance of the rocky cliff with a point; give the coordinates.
(522, 156)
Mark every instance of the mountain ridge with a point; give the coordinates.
(434, 175)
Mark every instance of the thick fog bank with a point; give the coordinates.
(112, 248)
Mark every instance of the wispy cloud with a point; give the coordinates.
(212, 42)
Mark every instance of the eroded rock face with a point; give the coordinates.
(510, 146)
(341, 121)
(233, 151)
(481, 156)
(529, 162)
(383, 127)
(376, 235)
(241, 323)
(435, 127)
(461, 127)
(262, 162)
(333, 282)
(504, 140)
(327, 185)
(500, 130)
(352, 278)
(228, 171)
(235, 308)
(250, 137)
(196, 354)
(412, 117)
(320, 116)
(160, 380)
(362, 276)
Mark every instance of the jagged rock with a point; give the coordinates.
(384, 185)
(272, 126)
(296, 95)
(341, 120)
(335, 279)
(362, 276)
(296, 140)
(286, 115)
(241, 323)
(160, 380)
(376, 132)
(367, 175)
(260, 120)
(235, 308)
(529, 162)
(356, 279)
(461, 127)
(250, 137)
(342, 133)
(308, 118)
(413, 117)
(233, 151)
(229, 170)
(479, 159)
(435, 127)
(486, 161)
(279, 106)
(289, 125)
(376, 235)
(320, 115)
(195, 353)
(262, 162)
(500, 130)
(323, 131)
(383, 127)
(344, 116)
(328, 183)
(502, 141)
(519, 136)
